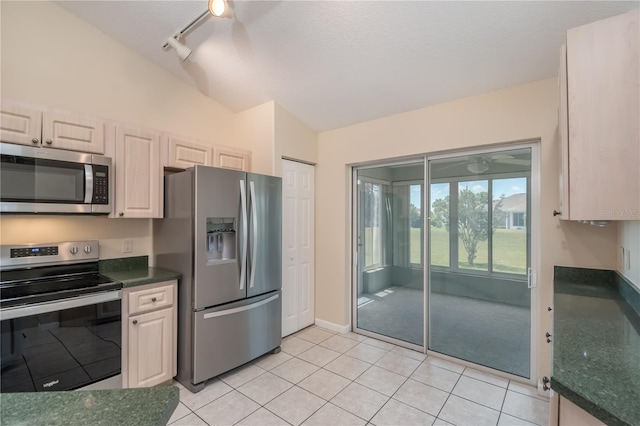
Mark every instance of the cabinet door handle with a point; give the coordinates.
(121, 214)
(135, 322)
(153, 299)
(35, 140)
(49, 141)
(556, 213)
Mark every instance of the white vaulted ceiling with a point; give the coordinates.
(336, 63)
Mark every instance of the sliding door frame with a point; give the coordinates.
(534, 223)
(357, 258)
(534, 251)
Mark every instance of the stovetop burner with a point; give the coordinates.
(58, 279)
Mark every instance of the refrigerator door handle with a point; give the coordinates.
(241, 309)
(243, 259)
(254, 222)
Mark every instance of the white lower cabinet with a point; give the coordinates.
(149, 334)
(569, 414)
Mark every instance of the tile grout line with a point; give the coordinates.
(351, 381)
(449, 396)
(391, 397)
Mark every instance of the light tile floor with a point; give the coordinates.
(325, 378)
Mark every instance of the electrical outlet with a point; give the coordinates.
(127, 246)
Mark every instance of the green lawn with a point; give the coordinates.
(509, 250)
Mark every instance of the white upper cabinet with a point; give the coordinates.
(35, 126)
(183, 153)
(602, 132)
(65, 130)
(20, 124)
(138, 173)
(232, 158)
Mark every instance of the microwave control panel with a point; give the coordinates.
(100, 185)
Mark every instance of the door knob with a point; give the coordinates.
(153, 299)
(135, 322)
(49, 141)
(34, 140)
(121, 214)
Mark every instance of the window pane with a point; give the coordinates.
(473, 225)
(439, 224)
(510, 220)
(415, 224)
(372, 224)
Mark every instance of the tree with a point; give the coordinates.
(473, 218)
(415, 218)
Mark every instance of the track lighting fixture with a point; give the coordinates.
(217, 8)
(182, 51)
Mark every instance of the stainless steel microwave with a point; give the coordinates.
(52, 181)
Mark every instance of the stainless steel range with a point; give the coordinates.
(60, 319)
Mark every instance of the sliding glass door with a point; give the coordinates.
(479, 254)
(475, 255)
(389, 243)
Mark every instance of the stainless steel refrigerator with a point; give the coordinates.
(222, 229)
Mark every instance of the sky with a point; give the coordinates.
(501, 187)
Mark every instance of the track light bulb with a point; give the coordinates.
(217, 7)
(182, 50)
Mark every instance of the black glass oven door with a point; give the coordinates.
(60, 349)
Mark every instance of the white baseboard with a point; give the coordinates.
(332, 326)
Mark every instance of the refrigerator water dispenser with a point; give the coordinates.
(221, 239)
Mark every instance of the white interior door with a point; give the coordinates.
(298, 224)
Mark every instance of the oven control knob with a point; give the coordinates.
(73, 250)
(87, 249)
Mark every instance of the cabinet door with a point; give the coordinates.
(183, 153)
(231, 158)
(563, 130)
(150, 357)
(64, 130)
(20, 124)
(572, 415)
(138, 173)
(603, 63)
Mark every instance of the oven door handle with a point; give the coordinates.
(58, 305)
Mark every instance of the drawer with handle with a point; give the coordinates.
(150, 299)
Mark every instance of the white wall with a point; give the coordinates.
(271, 132)
(255, 132)
(518, 113)
(52, 58)
(629, 238)
(293, 139)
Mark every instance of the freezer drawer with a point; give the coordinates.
(228, 336)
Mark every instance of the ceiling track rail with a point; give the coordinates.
(182, 31)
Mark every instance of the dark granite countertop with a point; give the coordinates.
(142, 276)
(596, 349)
(140, 407)
(133, 271)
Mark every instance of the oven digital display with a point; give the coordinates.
(34, 251)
